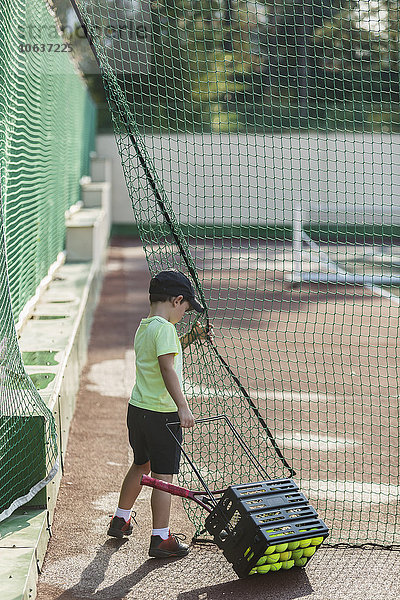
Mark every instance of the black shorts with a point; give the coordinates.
(151, 440)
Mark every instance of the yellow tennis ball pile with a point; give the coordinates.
(284, 556)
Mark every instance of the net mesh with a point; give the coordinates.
(28, 447)
(44, 150)
(259, 142)
(38, 127)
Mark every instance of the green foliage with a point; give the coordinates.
(265, 66)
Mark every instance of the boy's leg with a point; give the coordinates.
(164, 454)
(131, 487)
(163, 544)
(161, 503)
(121, 522)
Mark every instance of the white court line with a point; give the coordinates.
(297, 396)
(350, 491)
(193, 391)
(309, 441)
(301, 441)
(335, 491)
(354, 492)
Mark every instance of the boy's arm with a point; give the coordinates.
(166, 362)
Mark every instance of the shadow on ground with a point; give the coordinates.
(94, 574)
(285, 586)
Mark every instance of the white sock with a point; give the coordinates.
(124, 514)
(163, 533)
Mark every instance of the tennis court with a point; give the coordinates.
(259, 145)
(85, 564)
(320, 362)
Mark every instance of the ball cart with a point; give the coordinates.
(262, 526)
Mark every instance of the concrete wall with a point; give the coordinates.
(339, 178)
(57, 324)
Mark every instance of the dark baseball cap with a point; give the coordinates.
(175, 283)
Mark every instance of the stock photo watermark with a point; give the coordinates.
(130, 38)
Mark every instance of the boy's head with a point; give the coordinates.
(171, 284)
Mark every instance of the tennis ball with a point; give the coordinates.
(286, 556)
(263, 569)
(309, 551)
(317, 541)
(293, 545)
(261, 561)
(270, 550)
(272, 558)
(249, 556)
(300, 562)
(276, 566)
(305, 543)
(297, 554)
(287, 564)
(281, 547)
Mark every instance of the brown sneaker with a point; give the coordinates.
(168, 548)
(119, 527)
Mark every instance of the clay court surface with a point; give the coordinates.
(83, 563)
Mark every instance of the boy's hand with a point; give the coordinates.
(199, 332)
(185, 416)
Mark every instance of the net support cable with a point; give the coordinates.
(175, 231)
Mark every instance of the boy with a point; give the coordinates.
(157, 399)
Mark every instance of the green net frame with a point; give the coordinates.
(234, 130)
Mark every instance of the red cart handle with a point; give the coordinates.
(176, 490)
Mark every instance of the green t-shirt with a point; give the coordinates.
(155, 336)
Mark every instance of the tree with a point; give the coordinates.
(235, 65)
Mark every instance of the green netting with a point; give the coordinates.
(46, 134)
(28, 447)
(260, 146)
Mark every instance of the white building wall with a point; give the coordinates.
(339, 178)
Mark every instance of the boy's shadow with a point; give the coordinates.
(287, 585)
(93, 576)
